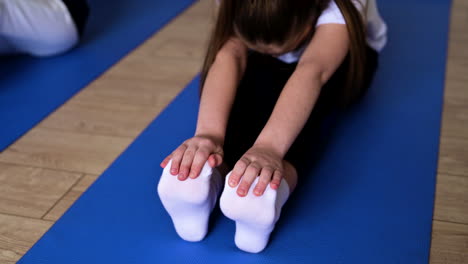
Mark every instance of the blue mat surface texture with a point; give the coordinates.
(31, 88)
(369, 199)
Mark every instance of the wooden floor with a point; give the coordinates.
(44, 172)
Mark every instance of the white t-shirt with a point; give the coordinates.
(376, 27)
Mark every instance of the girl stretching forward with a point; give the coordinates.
(273, 69)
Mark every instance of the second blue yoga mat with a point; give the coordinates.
(368, 199)
(31, 88)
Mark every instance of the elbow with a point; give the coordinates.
(232, 55)
(314, 71)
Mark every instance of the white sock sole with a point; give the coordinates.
(190, 202)
(255, 216)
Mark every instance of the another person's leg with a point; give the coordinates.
(37, 27)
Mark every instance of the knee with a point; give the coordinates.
(52, 30)
(54, 43)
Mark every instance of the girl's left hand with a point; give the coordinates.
(258, 160)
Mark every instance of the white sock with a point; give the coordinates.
(190, 202)
(255, 216)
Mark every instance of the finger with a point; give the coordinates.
(276, 181)
(198, 163)
(247, 179)
(186, 163)
(238, 171)
(263, 181)
(177, 156)
(212, 161)
(166, 161)
(215, 160)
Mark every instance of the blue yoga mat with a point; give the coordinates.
(31, 88)
(368, 199)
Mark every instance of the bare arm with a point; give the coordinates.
(220, 89)
(322, 57)
(325, 53)
(215, 104)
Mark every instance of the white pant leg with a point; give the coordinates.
(36, 27)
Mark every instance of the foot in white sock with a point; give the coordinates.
(190, 202)
(255, 216)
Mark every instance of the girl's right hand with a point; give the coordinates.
(190, 157)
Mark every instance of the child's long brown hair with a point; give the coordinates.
(276, 21)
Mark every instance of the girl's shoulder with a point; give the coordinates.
(375, 24)
(332, 13)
